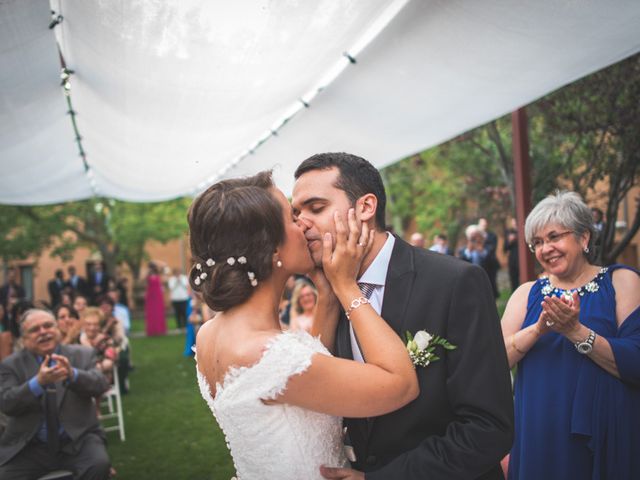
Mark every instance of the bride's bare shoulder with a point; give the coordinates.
(249, 351)
(231, 347)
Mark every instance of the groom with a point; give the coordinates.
(461, 425)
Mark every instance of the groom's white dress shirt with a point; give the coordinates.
(376, 275)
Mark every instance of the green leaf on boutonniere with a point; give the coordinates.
(421, 347)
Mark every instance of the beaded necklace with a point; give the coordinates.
(590, 287)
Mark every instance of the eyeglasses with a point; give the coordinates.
(552, 239)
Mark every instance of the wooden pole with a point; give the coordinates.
(522, 180)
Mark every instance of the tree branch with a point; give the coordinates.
(624, 241)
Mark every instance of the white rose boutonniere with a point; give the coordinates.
(421, 347)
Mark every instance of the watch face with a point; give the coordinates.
(584, 347)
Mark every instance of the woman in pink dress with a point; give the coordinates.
(155, 321)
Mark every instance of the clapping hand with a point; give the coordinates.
(341, 473)
(341, 262)
(58, 372)
(64, 363)
(561, 315)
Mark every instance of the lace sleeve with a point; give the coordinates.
(286, 355)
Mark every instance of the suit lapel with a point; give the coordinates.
(398, 286)
(397, 292)
(31, 365)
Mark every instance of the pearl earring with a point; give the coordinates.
(279, 264)
(586, 249)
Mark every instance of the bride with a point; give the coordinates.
(278, 396)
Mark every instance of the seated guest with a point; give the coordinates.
(110, 324)
(46, 390)
(113, 327)
(17, 310)
(92, 336)
(67, 297)
(120, 310)
(80, 303)
(69, 324)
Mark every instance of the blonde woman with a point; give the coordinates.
(303, 306)
(92, 336)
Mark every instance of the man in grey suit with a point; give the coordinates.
(47, 391)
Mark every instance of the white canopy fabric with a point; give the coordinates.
(172, 95)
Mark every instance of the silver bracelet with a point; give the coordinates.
(355, 303)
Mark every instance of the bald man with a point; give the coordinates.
(417, 240)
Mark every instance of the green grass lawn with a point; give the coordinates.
(170, 431)
(502, 300)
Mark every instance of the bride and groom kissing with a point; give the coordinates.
(279, 397)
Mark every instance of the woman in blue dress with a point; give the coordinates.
(575, 336)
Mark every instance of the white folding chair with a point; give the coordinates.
(107, 403)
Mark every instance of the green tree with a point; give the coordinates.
(583, 136)
(593, 127)
(449, 186)
(117, 230)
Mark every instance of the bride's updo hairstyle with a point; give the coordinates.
(233, 219)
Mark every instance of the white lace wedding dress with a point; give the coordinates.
(274, 441)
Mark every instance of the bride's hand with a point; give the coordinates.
(341, 262)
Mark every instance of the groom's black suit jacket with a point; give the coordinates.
(461, 424)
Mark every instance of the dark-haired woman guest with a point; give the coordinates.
(575, 335)
(69, 324)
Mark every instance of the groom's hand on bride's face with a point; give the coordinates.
(341, 473)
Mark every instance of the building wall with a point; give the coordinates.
(174, 254)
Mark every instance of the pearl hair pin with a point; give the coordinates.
(210, 262)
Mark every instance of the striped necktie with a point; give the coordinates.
(367, 288)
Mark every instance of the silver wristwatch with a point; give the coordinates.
(585, 346)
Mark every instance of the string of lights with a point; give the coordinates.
(65, 76)
(348, 58)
